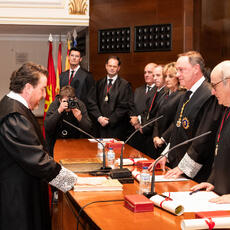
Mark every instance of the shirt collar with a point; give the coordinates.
(197, 85)
(151, 85)
(158, 90)
(76, 69)
(18, 98)
(113, 78)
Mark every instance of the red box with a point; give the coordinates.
(114, 145)
(212, 214)
(147, 163)
(138, 203)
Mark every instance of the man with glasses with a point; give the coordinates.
(219, 178)
(197, 113)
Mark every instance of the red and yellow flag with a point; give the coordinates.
(59, 69)
(67, 65)
(51, 82)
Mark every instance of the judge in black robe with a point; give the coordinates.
(219, 178)
(25, 165)
(117, 108)
(200, 115)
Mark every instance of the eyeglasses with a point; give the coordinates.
(215, 84)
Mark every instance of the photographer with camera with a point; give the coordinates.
(65, 106)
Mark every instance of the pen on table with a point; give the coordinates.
(195, 191)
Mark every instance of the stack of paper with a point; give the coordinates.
(158, 178)
(97, 184)
(198, 201)
(130, 161)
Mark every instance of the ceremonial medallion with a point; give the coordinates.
(185, 123)
(178, 124)
(106, 98)
(216, 150)
(147, 116)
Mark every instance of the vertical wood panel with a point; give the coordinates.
(105, 14)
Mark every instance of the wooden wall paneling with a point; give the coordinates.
(106, 14)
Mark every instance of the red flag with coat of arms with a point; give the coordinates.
(51, 81)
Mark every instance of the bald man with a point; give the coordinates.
(219, 178)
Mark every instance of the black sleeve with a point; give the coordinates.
(23, 145)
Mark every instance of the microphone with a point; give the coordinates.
(152, 192)
(123, 174)
(103, 169)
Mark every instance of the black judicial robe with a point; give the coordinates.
(117, 108)
(25, 168)
(202, 114)
(167, 108)
(221, 170)
(140, 98)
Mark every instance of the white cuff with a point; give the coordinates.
(166, 150)
(164, 140)
(65, 180)
(189, 166)
(139, 118)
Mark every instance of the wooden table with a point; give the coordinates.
(111, 215)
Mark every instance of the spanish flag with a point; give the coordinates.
(59, 69)
(51, 81)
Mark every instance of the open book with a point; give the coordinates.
(97, 184)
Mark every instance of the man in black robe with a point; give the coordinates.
(197, 113)
(219, 178)
(25, 165)
(114, 99)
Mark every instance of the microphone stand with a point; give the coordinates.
(103, 169)
(152, 192)
(123, 174)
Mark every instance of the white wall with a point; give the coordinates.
(17, 49)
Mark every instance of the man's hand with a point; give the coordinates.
(77, 113)
(103, 121)
(134, 120)
(162, 163)
(157, 142)
(173, 173)
(63, 105)
(204, 185)
(224, 199)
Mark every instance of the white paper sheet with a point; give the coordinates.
(197, 202)
(102, 140)
(158, 178)
(127, 161)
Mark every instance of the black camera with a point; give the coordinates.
(72, 103)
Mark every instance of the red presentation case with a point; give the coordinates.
(138, 203)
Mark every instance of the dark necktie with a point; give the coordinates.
(187, 95)
(71, 75)
(110, 82)
(148, 89)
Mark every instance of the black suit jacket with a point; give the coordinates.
(117, 109)
(82, 82)
(140, 98)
